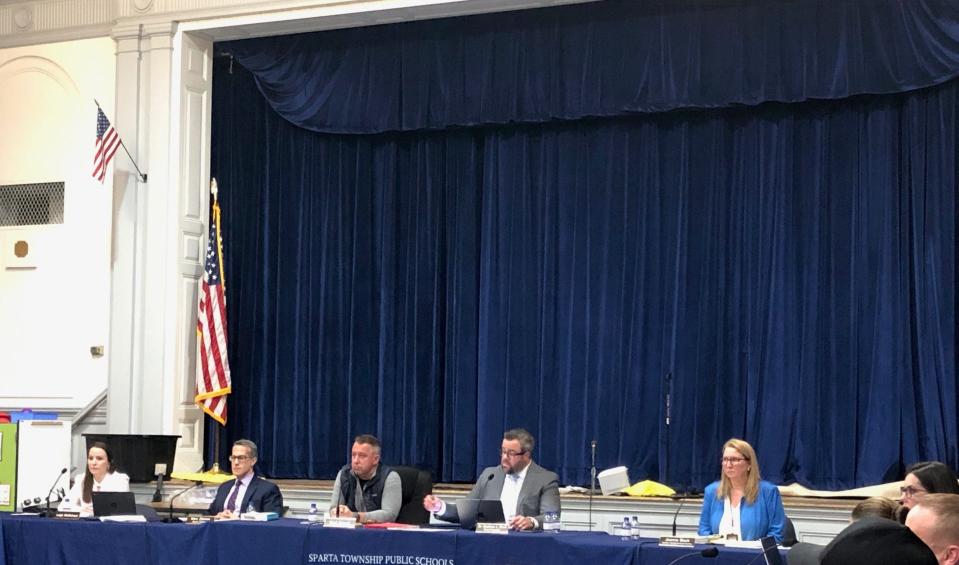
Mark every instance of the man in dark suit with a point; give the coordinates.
(876, 541)
(248, 490)
(526, 490)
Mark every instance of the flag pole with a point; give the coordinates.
(214, 193)
(143, 176)
(214, 190)
(216, 450)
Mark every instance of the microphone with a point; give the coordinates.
(174, 497)
(676, 514)
(669, 382)
(667, 412)
(53, 486)
(159, 470)
(592, 482)
(709, 553)
(490, 477)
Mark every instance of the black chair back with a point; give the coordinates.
(417, 483)
(789, 534)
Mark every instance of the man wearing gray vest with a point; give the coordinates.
(364, 489)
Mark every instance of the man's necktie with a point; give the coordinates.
(231, 502)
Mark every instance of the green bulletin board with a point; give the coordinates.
(8, 467)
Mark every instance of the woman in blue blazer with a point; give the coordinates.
(740, 503)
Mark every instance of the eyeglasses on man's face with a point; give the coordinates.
(239, 458)
(510, 453)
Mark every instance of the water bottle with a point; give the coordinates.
(314, 515)
(627, 529)
(551, 523)
(635, 528)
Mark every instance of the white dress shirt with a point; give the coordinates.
(730, 522)
(512, 485)
(244, 483)
(112, 482)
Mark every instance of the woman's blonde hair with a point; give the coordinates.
(752, 472)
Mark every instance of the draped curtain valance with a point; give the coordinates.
(601, 59)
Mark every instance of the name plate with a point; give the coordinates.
(259, 516)
(682, 541)
(193, 519)
(347, 522)
(492, 528)
(67, 515)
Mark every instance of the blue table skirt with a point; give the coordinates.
(38, 540)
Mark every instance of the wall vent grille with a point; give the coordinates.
(33, 204)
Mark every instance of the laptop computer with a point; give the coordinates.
(114, 504)
(771, 551)
(472, 511)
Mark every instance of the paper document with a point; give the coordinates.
(124, 518)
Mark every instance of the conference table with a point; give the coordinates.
(31, 539)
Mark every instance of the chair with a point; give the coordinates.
(417, 483)
(789, 534)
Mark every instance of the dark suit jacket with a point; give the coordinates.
(262, 495)
(805, 554)
(540, 492)
(876, 541)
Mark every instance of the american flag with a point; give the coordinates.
(107, 144)
(213, 370)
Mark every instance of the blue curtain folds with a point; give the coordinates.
(602, 59)
(792, 265)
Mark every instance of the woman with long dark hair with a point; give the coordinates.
(926, 477)
(100, 475)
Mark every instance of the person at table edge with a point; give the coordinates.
(248, 491)
(740, 504)
(526, 490)
(364, 489)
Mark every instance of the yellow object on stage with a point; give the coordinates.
(649, 488)
(206, 477)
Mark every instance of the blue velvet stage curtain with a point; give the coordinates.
(792, 265)
(602, 59)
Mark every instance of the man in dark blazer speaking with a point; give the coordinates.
(526, 490)
(248, 491)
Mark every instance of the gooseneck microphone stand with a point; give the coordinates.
(668, 406)
(592, 482)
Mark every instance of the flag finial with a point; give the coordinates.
(213, 189)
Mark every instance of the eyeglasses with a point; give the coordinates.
(510, 453)
(911, 491)
(239, 458)
(732, 460)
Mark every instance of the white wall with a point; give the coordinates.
(51, 314)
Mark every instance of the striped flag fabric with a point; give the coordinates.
(108, 141)
(213, 367)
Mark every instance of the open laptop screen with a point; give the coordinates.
(471, 511)
(771, 551)
(114, 504)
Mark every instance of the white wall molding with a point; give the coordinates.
(190, 165)
(43, 65)
(46, 21)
